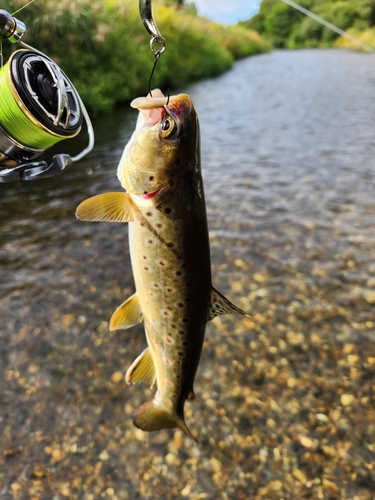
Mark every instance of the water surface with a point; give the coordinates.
(288, 161)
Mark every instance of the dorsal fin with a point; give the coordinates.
(107, 207)
(221, 305)
(126, 315)
(142, 370)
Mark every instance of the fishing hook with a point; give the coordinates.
(145, 9)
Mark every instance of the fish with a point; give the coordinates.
(164, 204)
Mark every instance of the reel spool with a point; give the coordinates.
(39, 107)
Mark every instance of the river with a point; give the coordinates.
(285, 400)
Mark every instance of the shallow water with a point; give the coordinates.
(288, 162)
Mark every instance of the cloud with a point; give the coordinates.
(227, 11)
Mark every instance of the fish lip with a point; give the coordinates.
(150, 196)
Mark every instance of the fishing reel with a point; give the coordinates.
(39, 107)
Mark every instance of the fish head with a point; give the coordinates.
(164, 145)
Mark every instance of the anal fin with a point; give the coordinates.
(126, 315)
(108, 207)
(221, 305)
(142, 370)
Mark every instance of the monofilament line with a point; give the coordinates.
(329, 25)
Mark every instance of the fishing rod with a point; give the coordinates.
(328, 25)
(39, 107)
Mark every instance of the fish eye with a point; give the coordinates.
(168, 127)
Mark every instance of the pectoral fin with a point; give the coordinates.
(142, 370)
(221, 305)
(126, 315)
(108, 207)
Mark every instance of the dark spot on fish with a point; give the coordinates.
(170, 245)
(185, 320)
(169, 289)
(143, 224)
(151, 241)
(145, 268)
(173, 326)
(174, 395)
(145, 257)
(158, 225)
(181, 332)
(166, 313)
(156, 285)
(149, 214)
(169, 340)
(145, 192)
(178, 273)
(167, 210)
(180, 353)
(167, 361)
(161, 263)
(151, 178)
(180, 305)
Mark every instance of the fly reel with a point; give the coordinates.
(39, 107)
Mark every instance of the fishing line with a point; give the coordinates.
(23, 7)
(329, 25)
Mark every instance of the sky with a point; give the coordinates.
(227, 11)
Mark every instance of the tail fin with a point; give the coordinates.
(150, 417)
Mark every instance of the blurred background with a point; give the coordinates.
(285, 404)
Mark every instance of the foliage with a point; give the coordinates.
(287, 27)
(104, 48)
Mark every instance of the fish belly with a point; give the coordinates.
(171, 266)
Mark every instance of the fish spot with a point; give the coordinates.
(181, 332)
(150, 241)
(185, 320)
(180, 304)
(151, 294)
(149, 213)
(191, 396)
(145, 192)
(174, 395)
(145, 268)
(143, 224)
(166, 313)
(167, 210)
(156, 285)
(151, 178)
(170, 245)
(158, 225)
(167, 361)
(178, 273)
(169, 382)
(161, 262)
(144, 257)
(173, 326)
(169, 340)
(180, 353)
(169, 289)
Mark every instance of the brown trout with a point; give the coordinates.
(170, 254)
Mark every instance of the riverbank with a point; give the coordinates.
(104, 48)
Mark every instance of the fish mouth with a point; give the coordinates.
(150, 196)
